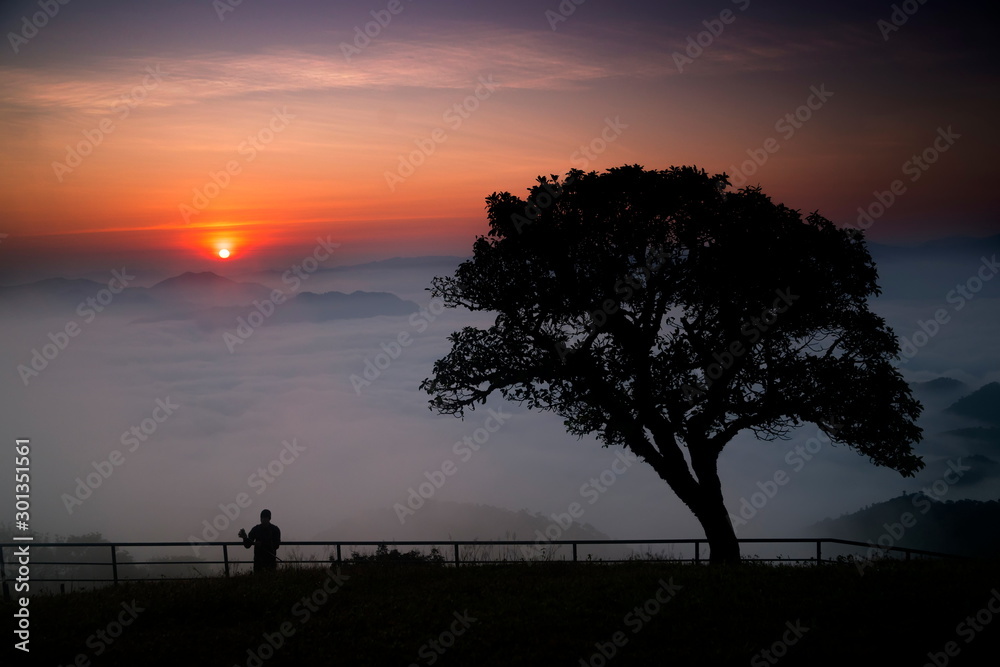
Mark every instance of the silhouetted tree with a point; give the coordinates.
(665, 314)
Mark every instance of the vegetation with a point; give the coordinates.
(664, 314)
(531, 613)
(384, 556)
(980, 404)
(962, 527)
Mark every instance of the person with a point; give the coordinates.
(265, 538)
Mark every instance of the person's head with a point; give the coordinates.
(265, 517)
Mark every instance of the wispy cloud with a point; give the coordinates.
(517, 59)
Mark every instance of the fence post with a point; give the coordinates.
(574, 552)
(225, 557)
(114, 563)
(456, 553)
(338, 552)
(697, 552)
(819, 552)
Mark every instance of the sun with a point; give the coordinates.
(224, 253)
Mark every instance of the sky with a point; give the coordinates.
(145, 137)
(155, 132)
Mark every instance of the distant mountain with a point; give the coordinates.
(941, 385)
(200, 289)
(71, 288)
(428, 265)
(211, 300)
(208, 289)
(66, 294)
(939, 397)
(962, 527)
(982, 404)
(405, 263)
(444, 520)
(981, 469)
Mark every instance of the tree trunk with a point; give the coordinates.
(702, 495)
(710, 507)
(722, 544)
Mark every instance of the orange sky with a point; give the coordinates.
(104, 132)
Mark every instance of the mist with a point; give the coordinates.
(148, 428)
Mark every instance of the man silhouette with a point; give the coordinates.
(265, 538)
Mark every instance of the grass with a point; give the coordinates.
(541, 613)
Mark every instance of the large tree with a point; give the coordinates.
(665, 313)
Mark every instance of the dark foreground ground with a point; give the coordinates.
(642, 613)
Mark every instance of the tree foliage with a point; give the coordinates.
(665, 313)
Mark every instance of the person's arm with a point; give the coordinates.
(248, 540)
(277, 538)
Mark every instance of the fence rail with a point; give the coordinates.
(455, 559)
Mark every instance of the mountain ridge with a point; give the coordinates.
(921, 521)
(983, 404)
(212, 300)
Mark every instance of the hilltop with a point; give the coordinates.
(963, 527)
(638, 613)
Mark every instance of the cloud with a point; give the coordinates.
(444, 56)
(361, 447)
(518, 60)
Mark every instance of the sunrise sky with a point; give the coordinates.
(115, 116)
(143, 137)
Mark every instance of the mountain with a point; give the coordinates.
(208, 289)
(304, 307)
(937, 386)
(66, 294)
(980, 469)
(211, 300)
(199, 289)
(982, 404)
(962, 527)
(433, 261)
(419, 269)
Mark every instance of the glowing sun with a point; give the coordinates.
(224, 253)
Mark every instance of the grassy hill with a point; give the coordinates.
(529, 614)
(963, 527)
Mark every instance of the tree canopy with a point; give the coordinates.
(665, 313)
